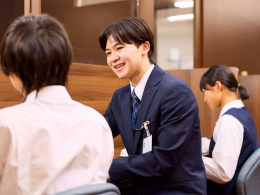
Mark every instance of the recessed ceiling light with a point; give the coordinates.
(184, 4)
(80, 3)
(180, 17)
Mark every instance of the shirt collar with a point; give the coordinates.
(49, 92)
(233, 104)
(139, 89)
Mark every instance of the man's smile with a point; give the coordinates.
(119, 66)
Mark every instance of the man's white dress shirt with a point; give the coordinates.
(228, 136)
(139, 89)
(51, 143)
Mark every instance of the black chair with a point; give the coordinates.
(97, 189)
(248, 181)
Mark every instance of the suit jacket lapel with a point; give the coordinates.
(127, 118)
(148, 94)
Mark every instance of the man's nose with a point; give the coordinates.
(114, 57)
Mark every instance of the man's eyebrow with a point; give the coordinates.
(115, 45)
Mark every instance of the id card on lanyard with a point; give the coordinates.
(147, 142)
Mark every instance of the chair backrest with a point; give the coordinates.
(97, 189)
(248, 181)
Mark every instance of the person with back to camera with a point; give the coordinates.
(234, 138)
(156, 115)
(49, 143)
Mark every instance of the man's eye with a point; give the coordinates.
(119, 48)
(108, 53)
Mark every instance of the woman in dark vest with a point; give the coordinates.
(234, 138)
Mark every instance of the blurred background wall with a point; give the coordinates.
(231, 34)
(219, 32)
(9, 10)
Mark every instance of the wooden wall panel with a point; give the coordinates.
(198, 34)
(146, 12)
(85, 24)
(36, 7)
(8, 95)
(252, 83)
(27, 7)
(9, 10)
(231, 35)
(207, 123)
(91, 70)
(91, 85)
(94, 86)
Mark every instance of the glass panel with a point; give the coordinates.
(84, 21)
(9, 11)
(174, 34)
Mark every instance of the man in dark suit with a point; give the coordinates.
(156, 115)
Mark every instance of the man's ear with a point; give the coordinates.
(146, 47)
(13, 75)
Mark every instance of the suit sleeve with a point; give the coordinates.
(109, 116)
(179, 116)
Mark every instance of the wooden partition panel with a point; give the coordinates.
(94, 86)
(8, 95)
(252, 83)
(90, 85)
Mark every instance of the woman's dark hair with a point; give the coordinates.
(38, 50)
(224, 75)
(129, 31)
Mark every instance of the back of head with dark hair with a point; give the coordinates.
(37, 49)
(130, 31)
(224, 75)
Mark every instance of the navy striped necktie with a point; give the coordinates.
(136, 105)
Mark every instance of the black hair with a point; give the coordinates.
(129, 30)
(224, 75)
(37, 49)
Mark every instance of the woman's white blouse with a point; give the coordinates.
(228, 136)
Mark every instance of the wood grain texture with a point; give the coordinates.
(231, 34)
(27, 7)
(94, 86)
(8, 95)
(91, 70)
(90, 85)
(146, 12)
(9, 11)
(85, 24)
(198, 34)
(36, 7)
(252, 84)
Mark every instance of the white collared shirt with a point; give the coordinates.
(139, 89)
(51, 143)
(228, 136)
